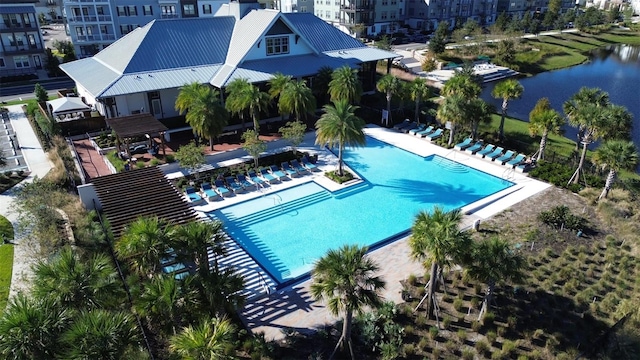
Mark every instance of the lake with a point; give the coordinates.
(615, 69)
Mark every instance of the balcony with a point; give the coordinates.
(94, 38)
(23, 49)
(15, 26)
(357, 7)
(89, 19)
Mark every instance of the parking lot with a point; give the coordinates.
(53, 32)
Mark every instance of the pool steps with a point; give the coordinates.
(353, 189)
(283, 207)
(450, 165)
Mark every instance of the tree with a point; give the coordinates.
(479, 111)
(234, 102)
(143, 243)
(619, 123)
(439, 39)
(210, 340)
(297, 99)
(419, 91)
(389, 85)
(100, 334)
(340, 126)
(277, 85)
(615, 155)
(255, 101)
(506, 54)
(190, 156)
(65, 47)
(384, 43)
(437, 240)
(463, 85)
(507, 90)
(253, 145)
(41, 93)
(220, 292)
(51, 63)
(452, 110)
(320, 84)
(205, 112)
(345, 85)
(193, 241)
(345, 279)
(544, 120)
(293, 131)
(494, 261)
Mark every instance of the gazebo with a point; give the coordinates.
(128, 127)
(67, 108)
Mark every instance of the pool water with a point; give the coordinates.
(287, 231)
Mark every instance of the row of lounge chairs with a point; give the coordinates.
(420, 130)
(228, 186)
(492, 152)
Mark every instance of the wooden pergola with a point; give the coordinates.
(129, 195)
(127, 127)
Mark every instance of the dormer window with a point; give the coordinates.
(278, 45)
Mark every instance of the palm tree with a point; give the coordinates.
(454, 111)
(277, 84)
(461, 84)
(615, 155)
(77, 284)
(143, 243)
(479, 111)
(205, 112)
(209, 340)
(255, 101)
(345, 85)
(100, 334)
(493, 260)
(345, 279)
(419, 91)
(506, 90)
(619, 123)
(340, 126)
(583, 97)
(220, 292)
(320, 84)
(194, 240)
(436, 239)
(234, 102)
(30, 328)
(390, 86)
(543, 119)
(297, 99)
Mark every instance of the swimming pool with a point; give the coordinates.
(287, 231)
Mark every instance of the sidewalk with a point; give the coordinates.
(39, 165)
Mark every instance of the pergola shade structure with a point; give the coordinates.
(129, 195)
(67, 108)
(127, 127)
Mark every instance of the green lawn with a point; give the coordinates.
(6, 261)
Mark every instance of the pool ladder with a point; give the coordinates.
(277, 201)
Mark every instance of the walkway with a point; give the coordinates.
(39, 165)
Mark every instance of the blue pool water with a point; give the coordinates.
(288, 230)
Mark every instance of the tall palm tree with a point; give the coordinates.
(78, 284)
(340, 126)
(345, 279)
(419, 91)
(615, 155)
(297, 99)
(584, 96)
(143, 243)
(31, 328)
(277, 84)
(492, 261)
(619, 123)
(100, 334)
(161, 301)
(544, 120)
(454, 111)
(256, 101)
(320, 84)
(437, 239)
(209, 340)
(205, 112)
(220, 291)
(506, 90)
(390, 86)
(194, 240)
(461, 84)
(345, 85)
(478, 111)
(234, 102)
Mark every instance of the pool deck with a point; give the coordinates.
(271, 311)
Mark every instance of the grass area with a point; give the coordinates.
(116, 161)
(20, 102)
(6, 260)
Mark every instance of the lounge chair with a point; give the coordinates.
(487, 149)
(506, 157)
(517, 160)
(288, 169)
(234, 185)
(267, 176)
(297, 167)
(418, 129)
(244, 182)
(403, 124)
(222, 189)
(277, 172)
(463, 145)
(495, 153)
(434, 135)
(255, 178)
(209, 193)
(425, 132)
(192, 194)
(475, 147)
(412, 127)
(308, 164)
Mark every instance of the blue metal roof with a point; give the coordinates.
(91, 74)
(300, 65)
(23, 9)
(321, 35)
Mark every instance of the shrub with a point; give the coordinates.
(433, 332)
(468, 354)
(333, 175)
(475, 326)
(457, 304)
(489, 317)
(491, 336)
(412, 280)
(482, 346)
(446, 322)
(561, 217)
(462, 335)
(508, 347)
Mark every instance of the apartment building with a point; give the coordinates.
(21, 45)
(520, 7)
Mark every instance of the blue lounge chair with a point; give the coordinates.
(517, 160)
(192, 194)
(297, 167)
(425, 132)
(234, 185)
(209, 193)
(487, 149)
(412, 127)
(418, 129)
(277, 172)
(244, 182)
(463, 145)
(403, 124)
(506, 157)
(434, 135)
(255, 178)
(308, 164)
(495, 153)
(222, 189)
(288, 169)
(475, 147)
(267, 176)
